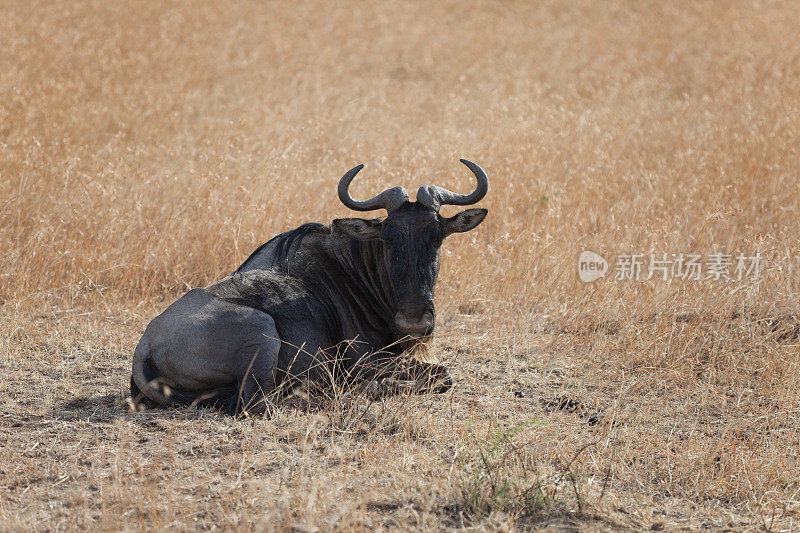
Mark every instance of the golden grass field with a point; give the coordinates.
(149, 147)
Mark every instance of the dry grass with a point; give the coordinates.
(149, 147)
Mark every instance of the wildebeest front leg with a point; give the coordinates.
(397, 372)
(429, 377)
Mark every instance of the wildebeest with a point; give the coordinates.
(327, 304)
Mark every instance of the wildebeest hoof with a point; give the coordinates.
(437, 382)
(440, 384)
(444, 384)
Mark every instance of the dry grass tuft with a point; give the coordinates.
(147, 149)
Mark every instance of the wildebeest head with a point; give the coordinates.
(412, 234)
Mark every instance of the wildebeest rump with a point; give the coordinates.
(339, 303)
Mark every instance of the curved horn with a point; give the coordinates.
(434, 196)
(389, 199)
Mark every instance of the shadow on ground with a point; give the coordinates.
(106, 408)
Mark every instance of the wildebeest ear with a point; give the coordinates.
(464, 221)
(358, 228)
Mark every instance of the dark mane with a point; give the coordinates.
(285, 244)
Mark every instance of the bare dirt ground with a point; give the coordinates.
(149, 148)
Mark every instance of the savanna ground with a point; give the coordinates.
(149, 147)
